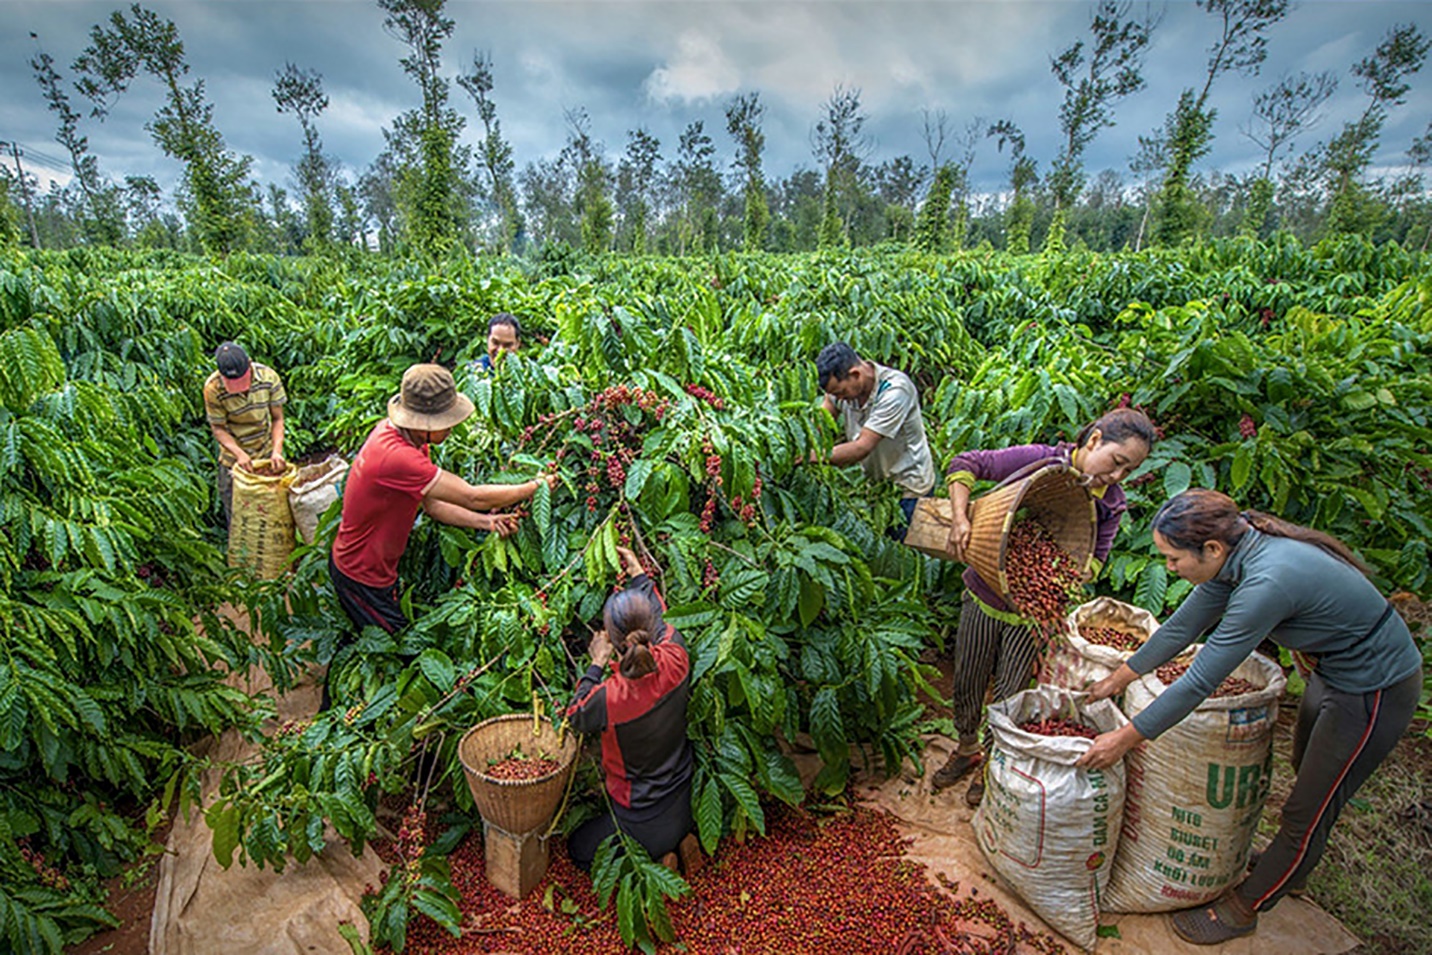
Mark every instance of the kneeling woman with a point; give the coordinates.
(1258, 576)
(994, 642)
(640, 710)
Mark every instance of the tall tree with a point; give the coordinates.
(378, 187)
(796, 211)
(432, 191)
(9, 213)
(1094, 78)
(897, 183)
(840, 145)
(1383, 76)
(636, 182)
(1148, 163)
(494, 153)
(350, 226)
(960, 191)
(1419, 155)
(1280, 113)
(1019, 219)
(218, 196)
(142, 198)
(743, 122)
(301, 92)
(547, 201)
(932, 229)
(103, 221)
(593, 205)
(698, 186)
(935, 130)
(1240, 48)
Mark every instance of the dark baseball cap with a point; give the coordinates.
(235, 369)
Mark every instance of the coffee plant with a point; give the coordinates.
(673, 398)
(113, 652)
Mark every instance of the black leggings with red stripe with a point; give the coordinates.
(1340, 739)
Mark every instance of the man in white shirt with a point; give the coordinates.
(878, 408)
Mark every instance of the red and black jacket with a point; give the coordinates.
(645, 752)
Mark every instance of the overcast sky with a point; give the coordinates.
(660, 64)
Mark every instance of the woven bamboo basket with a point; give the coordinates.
(516, 806)
(1052, 496)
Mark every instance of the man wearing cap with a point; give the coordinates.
(391, 479)
(244, 402)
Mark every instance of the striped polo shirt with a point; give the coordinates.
(247, 415)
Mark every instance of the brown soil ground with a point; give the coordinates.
(131, 900)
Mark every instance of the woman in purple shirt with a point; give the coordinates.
(993, 640)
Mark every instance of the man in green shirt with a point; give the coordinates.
(243, 401)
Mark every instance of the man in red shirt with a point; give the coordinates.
(391, 479)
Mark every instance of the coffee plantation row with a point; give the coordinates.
(1296, 379)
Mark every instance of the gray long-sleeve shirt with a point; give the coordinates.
(1300, 595)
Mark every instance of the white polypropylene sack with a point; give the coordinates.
(1074, 662)
(314, 488)
(1195, 795)
(1048, 828)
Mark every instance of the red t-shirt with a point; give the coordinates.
(381, 498)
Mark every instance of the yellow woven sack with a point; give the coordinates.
(261, 529)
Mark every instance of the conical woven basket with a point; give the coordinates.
(516, 805)
(1052, 496)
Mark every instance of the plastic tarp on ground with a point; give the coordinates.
(200, 908)
(944, 842)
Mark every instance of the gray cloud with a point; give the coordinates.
(663, 63)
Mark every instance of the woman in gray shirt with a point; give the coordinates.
(1258, 576)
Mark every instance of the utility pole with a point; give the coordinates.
(24, 191)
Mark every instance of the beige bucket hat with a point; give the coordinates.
(428, 401)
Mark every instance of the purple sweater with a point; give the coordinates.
(998, 465)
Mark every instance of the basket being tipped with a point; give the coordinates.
(516, 805)
(1052, 497)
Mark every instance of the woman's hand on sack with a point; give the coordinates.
(600, 649)
(1108, 748)
(1113, 684)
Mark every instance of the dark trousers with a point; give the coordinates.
(366, 607)
(659, 829)
(224, 486)
(1340, 739)
(897, 532)
(986, 648)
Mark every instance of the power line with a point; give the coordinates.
(37, 157)
(42, 158)
(45, 159)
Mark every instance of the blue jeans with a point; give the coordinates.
(896, 532)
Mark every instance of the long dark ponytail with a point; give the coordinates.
(632, 620)
(1198, 515)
